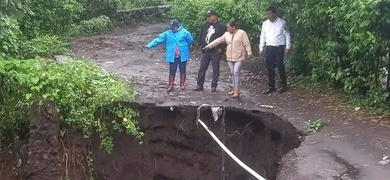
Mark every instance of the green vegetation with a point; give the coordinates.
(32, 32)
(98, 25)
(78, 88)
(340, 44)
(42, 28)
(315, 126)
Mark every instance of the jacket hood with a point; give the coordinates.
(180, 28)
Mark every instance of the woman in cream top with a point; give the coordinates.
(238, 49)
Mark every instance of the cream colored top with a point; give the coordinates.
(238, 45)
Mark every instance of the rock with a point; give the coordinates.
(61, 58)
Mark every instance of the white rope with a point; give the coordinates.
(229, 152)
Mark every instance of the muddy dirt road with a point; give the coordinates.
(350, 147)
(123, 54)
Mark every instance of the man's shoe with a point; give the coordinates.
(282, 89)
(198, 88)
(269, 90)
(213, 89)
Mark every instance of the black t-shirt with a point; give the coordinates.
(209, 32)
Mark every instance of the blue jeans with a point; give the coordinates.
(173, 67)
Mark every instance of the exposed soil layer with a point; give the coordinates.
(176, 147)
(12, 161)
(44, 154)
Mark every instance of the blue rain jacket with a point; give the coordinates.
(182, 38)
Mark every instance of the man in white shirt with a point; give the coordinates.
(275, 40)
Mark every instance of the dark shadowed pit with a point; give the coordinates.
(175, 147)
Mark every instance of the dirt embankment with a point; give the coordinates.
(174, 147)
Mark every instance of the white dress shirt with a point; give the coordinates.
(274, 34)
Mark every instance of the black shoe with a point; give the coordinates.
(198, 88)
(282, 89)
(269, 90)
(213, 89)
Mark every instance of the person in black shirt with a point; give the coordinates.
(210, 30)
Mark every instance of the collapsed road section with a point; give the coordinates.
(176, 146)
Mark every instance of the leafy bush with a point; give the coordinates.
(10, 36)
(99, 25)
(43, 33)
(342, 43)
(44, 46)
(95, 8)
(12, 8)
(79, 90)
(12, 43)
(51, 17)
(58, 17)
(315, 125)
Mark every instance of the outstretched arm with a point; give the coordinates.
(216, 42)
(160, 39)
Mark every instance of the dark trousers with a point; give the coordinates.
(214, 57)
(173, 67)
(274, 56)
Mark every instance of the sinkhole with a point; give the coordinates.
(175, 147)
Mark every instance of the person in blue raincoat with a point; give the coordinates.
(177, 41)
